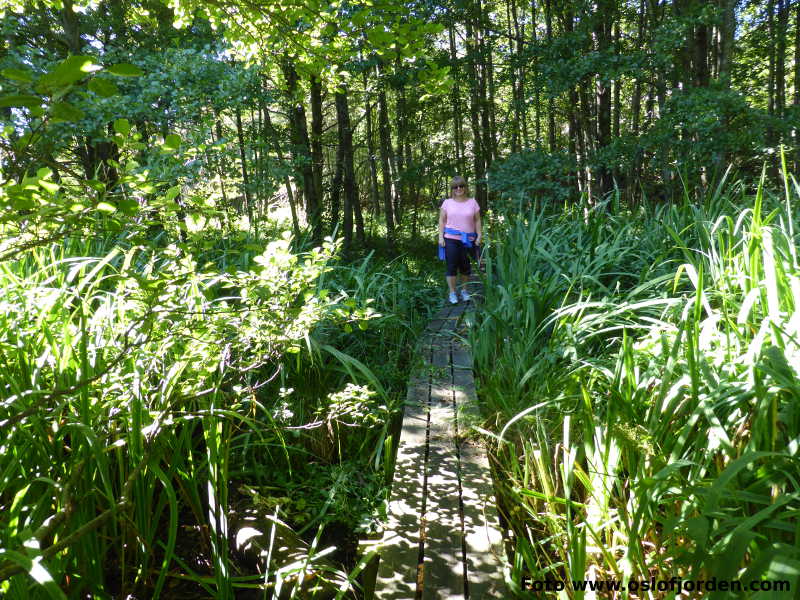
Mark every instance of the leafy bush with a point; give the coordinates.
(532, 175)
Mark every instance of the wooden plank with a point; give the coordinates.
(462, 357)
(441, 399)
(397, 571)
(435, 324)
(483, 539)
(443, 565)
(441, 355)
(468, 412)
(482, 536)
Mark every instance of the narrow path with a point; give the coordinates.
(442, 538)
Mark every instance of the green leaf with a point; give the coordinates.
(172, 193)
(36, 570)
(17, 75)
(125, 70)
(64, 111)
(20, 101)
(128, 206)
(172, 141)
(106, 207)
(49, 186)
(122, 126)
(103, 87)
(67, 72)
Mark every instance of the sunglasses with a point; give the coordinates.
(460, 186)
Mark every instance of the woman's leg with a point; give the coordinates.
(464, 266)
(452, 254)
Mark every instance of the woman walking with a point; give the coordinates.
(459, 235)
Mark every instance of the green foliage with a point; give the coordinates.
(643, 393)
(154, 368)
(707, 126)
(531, 175)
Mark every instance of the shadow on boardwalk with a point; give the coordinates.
(442, 538)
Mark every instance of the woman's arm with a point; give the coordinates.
(478, 227)
(442, 221)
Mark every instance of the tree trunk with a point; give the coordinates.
(617, 85)
(478, 151)
(336, 190)
(220, 171)
(771, 42)
(700, 59)
(588, 128)
(636, 101)
(317, 158)
(385, 143)
(373, 167)
(682, 73)
(248, 201)
(346, 146)
(516, 100)
(271, 138)
(780, 58)
(551, 103)
(257, 178)
(72, 32)
(301, 151)
(603, 29)
(536, 108)
(94, 155)
(401, 187)
(727, 35)
(455, 101)
(797, 86)
(523, 74)
(490, 126)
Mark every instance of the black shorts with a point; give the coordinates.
(457, 256)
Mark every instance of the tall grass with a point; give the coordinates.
(152, 395)
(640, 372)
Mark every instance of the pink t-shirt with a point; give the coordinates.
(460, 215)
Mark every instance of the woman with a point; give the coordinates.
(459, 235)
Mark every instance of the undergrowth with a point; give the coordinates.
(169, 405)
(639, 372)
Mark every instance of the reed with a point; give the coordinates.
(639, 373)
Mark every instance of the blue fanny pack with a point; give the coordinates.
(466, 239)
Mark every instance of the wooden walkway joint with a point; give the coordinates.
(442, 539)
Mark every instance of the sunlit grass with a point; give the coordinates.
(640, 371)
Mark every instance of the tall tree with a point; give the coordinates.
(348, 169)
(385, 145)
(478, 140)
(455, 102)
(301, 146)
(246, 187)
(603, 27)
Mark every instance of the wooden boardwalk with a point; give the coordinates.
(442, 538)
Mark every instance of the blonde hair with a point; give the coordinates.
(459, 180)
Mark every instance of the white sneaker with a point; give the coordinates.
(453, 298)
(465, 296)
